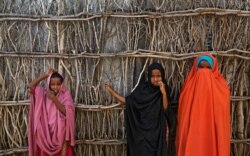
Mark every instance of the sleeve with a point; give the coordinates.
(171, 120)
(70, 121)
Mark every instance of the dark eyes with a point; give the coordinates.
(156, 76)
(204, 67)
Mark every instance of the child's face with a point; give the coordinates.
(55, 84)
(155, 77)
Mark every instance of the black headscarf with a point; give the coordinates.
(145, 121)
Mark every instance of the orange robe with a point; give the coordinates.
(204, 114)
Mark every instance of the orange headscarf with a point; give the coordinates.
(204, 113)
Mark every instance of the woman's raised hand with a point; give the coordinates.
(111, 91)
(50, 71)
(108, 87)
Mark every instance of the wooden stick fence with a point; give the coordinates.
(113, 41)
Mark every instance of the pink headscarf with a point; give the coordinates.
(48, 127)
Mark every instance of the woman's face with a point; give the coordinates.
(155, 77)
(55, 84)
(204, 64)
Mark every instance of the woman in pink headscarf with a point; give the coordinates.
(51, 117)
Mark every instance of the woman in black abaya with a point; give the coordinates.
(145, 113)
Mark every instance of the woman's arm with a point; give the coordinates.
(32, 85)
(164, 95)
(118, 97)
(57, 103)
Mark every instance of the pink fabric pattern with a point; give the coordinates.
(48, 127)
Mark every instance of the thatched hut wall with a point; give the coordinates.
(91, 42)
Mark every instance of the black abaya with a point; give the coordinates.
(145, 122)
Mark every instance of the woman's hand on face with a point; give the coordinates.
(51, 95)
(162, 87)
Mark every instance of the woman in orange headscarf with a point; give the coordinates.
(204, 111)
